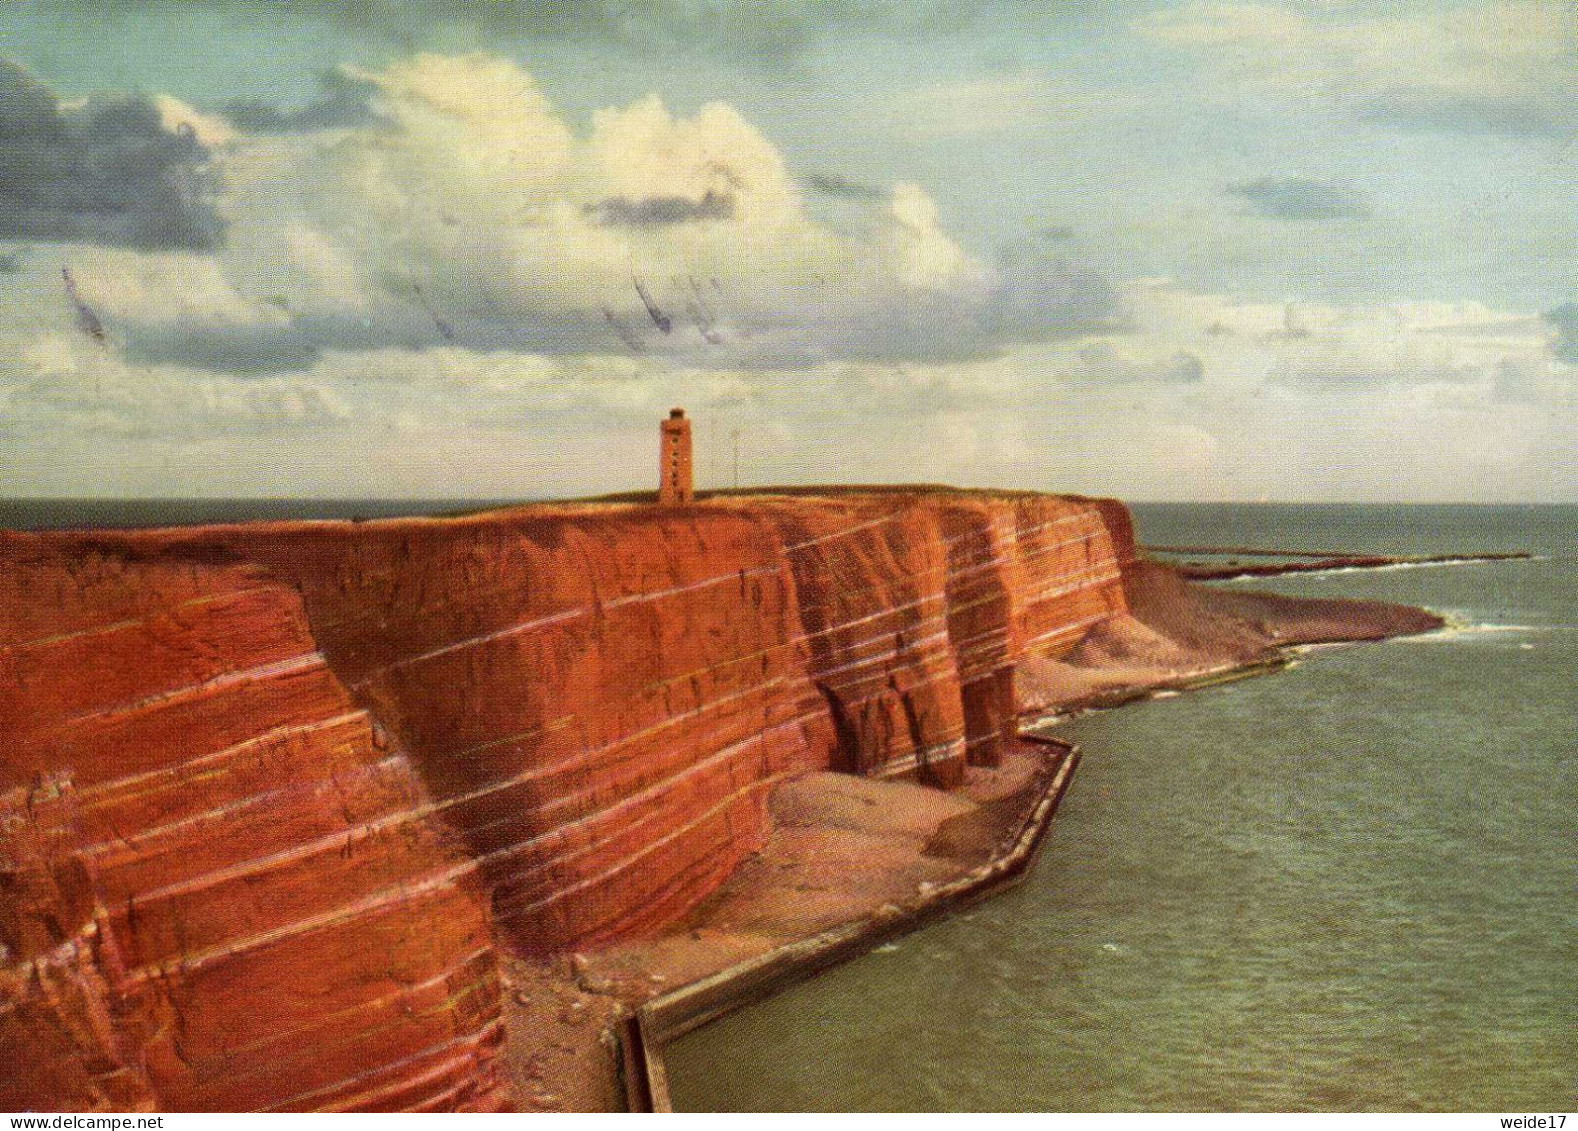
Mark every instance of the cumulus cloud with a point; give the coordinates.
(181, 308)
(1302, 198)
(1318, 348)
(1423, 401)
(178, 288)
(112, 171)
(62, 382)
(1492, 66)
(444, 284)
(467, 211)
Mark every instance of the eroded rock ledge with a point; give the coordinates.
(278, 800)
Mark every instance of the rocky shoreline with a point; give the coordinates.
(854, 874)
(406, 814)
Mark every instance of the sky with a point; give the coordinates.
(1297, 250)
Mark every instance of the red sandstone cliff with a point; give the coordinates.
(272, 796)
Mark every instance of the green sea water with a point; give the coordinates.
(1350, 886)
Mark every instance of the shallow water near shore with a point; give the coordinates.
(1349, 886)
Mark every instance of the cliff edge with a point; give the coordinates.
(277, 799)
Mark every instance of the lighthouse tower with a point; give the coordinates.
(675, 485)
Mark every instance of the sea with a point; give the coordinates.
(1348, 886)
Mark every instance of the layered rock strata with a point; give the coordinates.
(273, 796)
(218, 888)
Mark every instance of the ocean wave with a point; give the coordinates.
(1458, 627)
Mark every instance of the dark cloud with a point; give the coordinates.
(1565, 319)
(108, 173)
(842, 188)
(1039, 296)
(345, 102)
(661, 211)
(1302, 198)
(1476, 116)
(712, 326)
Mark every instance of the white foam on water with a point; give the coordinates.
(1458, 628)
(1316, 649)
(1393, 567)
